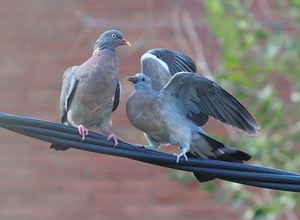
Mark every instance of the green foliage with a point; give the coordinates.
(256, 58)
(253, 55)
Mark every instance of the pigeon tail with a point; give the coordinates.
(59, 147)
(221, 152)
(224, 152)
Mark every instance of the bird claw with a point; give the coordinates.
(114, 137)
(83, 131)
(139, 146)
(180, 155)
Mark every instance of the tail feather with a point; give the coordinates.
(224, 152)
(219, 151)
(200, 176)
(59, 147)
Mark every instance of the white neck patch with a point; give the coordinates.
(151, 56)
(96, 51)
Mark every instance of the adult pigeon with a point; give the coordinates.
(91, 91)
(164, 115)
(160, 64)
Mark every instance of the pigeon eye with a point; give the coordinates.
(143, 79)
(113, 36)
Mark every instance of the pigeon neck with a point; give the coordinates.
(107, 47)
(143, 88)
(97, 51)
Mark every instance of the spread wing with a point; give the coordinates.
(176, 61)
(198, 95)
(117, 96)
(67, 92)
(160, 64)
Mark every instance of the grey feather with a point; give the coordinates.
(160, 64)
(67, 92)
(163, 115)
(213, 100)
(169, 106)
(92, 90)
(117, 97)
(175, 60)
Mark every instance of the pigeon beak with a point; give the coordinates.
(124, 42)
(132, 79)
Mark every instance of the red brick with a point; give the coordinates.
(39, 41)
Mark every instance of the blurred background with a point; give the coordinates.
(250, 47)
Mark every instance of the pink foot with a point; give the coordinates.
(83, 131)
(113, 136)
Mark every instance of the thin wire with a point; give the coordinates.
(62, 135)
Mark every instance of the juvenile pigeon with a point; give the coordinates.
(164, 115)
(160, 64)
(91, 91)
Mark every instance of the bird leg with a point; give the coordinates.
(182, 153)
(151, 147)
(83, 131)
(153, 144)
(113, 136)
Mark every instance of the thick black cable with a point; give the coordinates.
(68, 136)
(100, 140)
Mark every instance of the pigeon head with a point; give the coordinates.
(111, 40)
(140, 79)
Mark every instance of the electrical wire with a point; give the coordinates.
(62, 135)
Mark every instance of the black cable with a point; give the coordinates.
(68, 136)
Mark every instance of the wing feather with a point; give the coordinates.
(117, 97)
(176, 61)
(67, 92)
(199, 95)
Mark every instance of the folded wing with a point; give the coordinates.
(67, 92)
(117, 97)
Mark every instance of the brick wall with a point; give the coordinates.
(39, 40)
